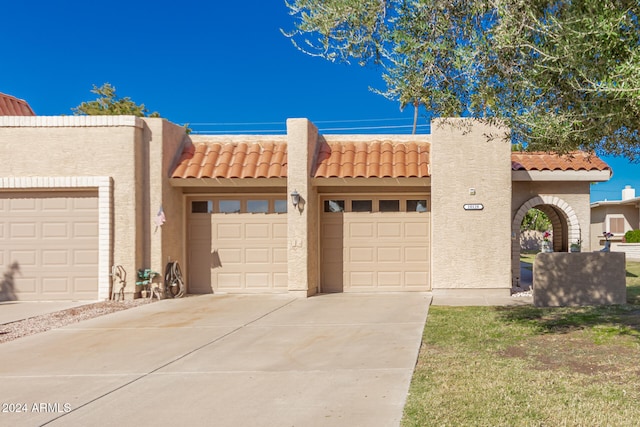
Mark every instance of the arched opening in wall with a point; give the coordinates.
(544, 213)
(543, 229)
(534, 229)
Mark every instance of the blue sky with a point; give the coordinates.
(221, 66)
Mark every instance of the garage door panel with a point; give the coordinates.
(85, 204)
(55, 285)
(418, 254)
(392, 230)
(54, 204)
(257, 231)
(55, 230)
(28, 258)
(279, 255)
(26, 285)
(257, 255)
(332, 231)
(85, 230)
(22, 205)
(390, 278)
(361, 230)
(53, 244)
(389, 254)
(416, 278)
(361, 279)
(200, 231)
(26, 230)
(376, 251)
(228, 231)
(55, 258)
(257, 280)
(230, 256)
(331, 255)
(416, 230)
(228, 280)
(82, 257)
(280, 281)
(361, 254)
(84, 285)
(280, 230)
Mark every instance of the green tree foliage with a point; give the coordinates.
(109, 104)
(563, 74)
(536, 220)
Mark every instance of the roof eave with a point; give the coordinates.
(228, 182)
(372, 181)
(629, 202)
(558, 175)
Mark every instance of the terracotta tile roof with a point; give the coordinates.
(12, 106)
(377, 159)
(345, 159)
(539, 161)
(233, 160)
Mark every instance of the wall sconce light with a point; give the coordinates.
(295, 198)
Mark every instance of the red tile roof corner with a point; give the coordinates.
(540, 161)
(12, 106)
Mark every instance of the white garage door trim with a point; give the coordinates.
(373, 243)
(104, 185)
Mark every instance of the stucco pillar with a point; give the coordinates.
(302, 221)
(471, 209)
(166, 242)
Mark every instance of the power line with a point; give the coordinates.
(283, 131)
(374, 127)
(281, 122)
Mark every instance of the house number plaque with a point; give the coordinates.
(474, 207)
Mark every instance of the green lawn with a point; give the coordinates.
(527, 366)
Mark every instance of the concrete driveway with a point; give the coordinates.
(329, 360)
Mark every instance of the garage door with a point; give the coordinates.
(238, 245)
(49, 246)
(376, 243)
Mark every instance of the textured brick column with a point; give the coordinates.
(302, 222)
(471, 248)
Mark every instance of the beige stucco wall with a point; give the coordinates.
(132, 153)
(65, 147)
(302, 224)
(470, 248)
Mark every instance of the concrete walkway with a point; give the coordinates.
(329, 360)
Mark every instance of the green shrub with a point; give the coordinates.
(632, 236)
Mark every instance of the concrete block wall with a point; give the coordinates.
(579, 279)
(470, 248)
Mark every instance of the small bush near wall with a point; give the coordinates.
(632, 236)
